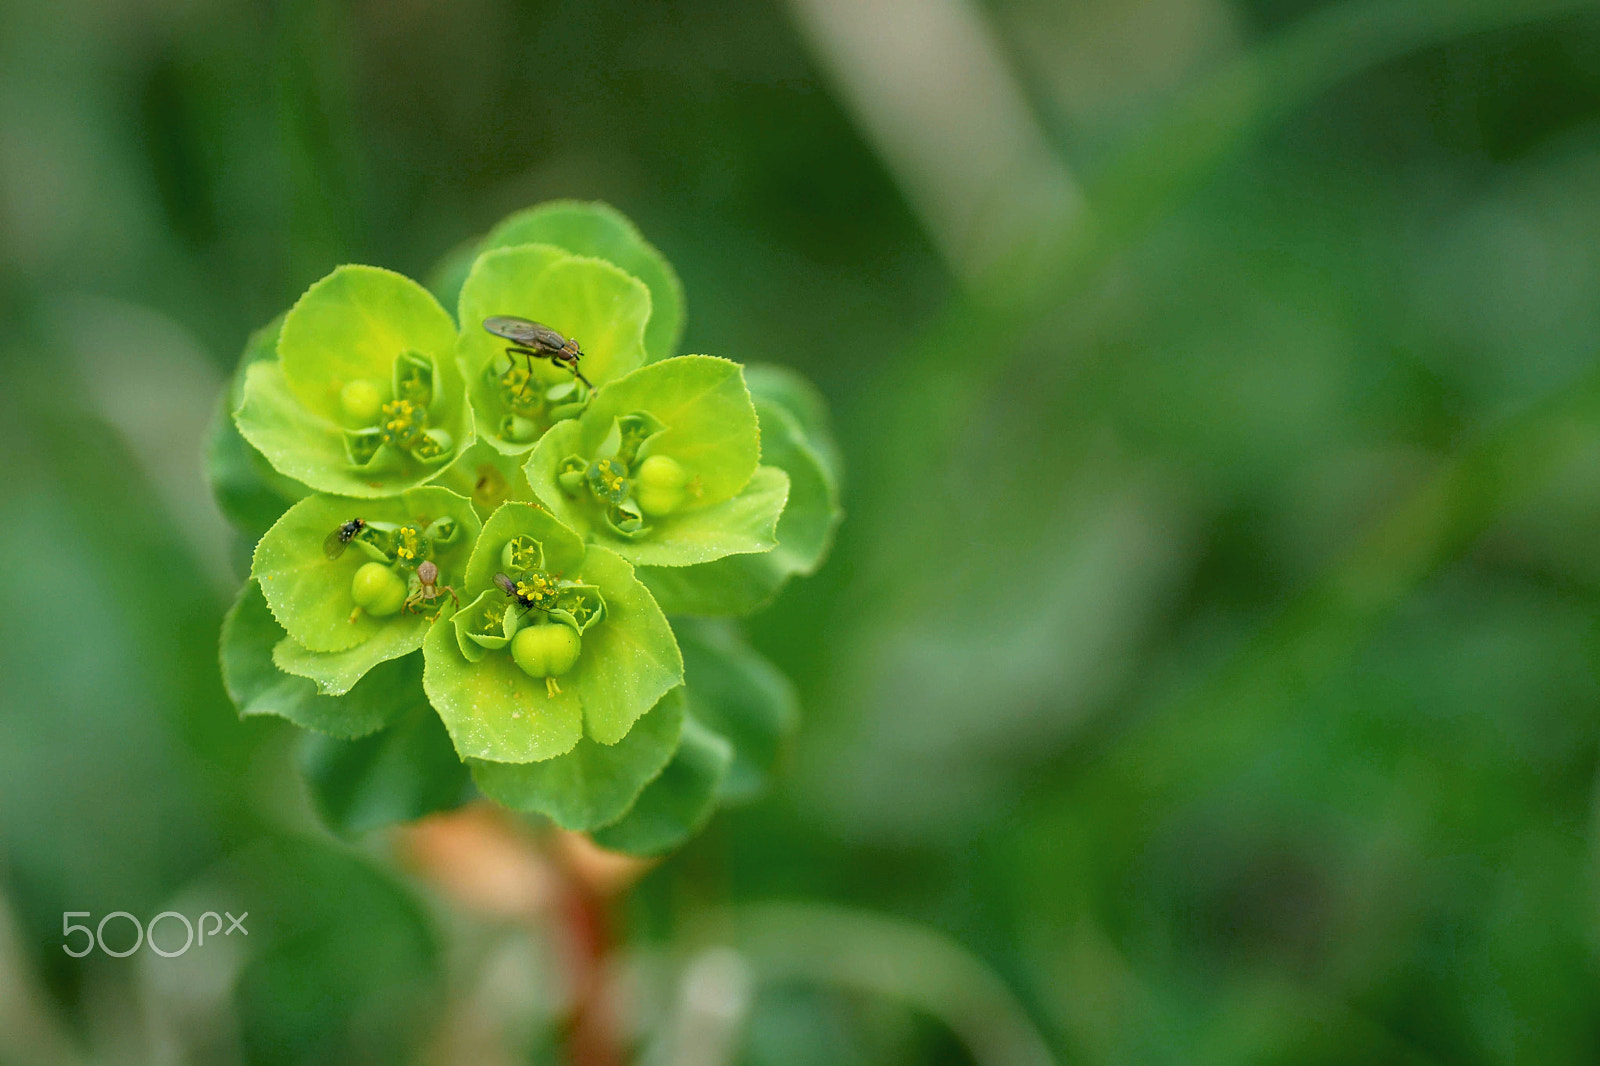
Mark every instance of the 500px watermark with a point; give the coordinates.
(146, 934)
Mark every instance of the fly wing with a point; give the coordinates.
(525, 332)
(334, 544)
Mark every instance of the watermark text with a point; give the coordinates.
(194, 933)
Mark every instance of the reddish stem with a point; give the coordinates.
(593, 1039)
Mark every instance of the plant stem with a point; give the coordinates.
(587, 915)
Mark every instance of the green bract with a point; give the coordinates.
(495, 709)
(694, 411)
(248, 490)
(600, 231)
(365, 397)
(516, 397)
(742, 697)
(594, 784)
(679, 801)
(334, 632)
(444, 581)
(257, 686)
(740, 584)
(402, 772)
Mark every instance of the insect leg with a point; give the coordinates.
(516, 350)
(570, 361)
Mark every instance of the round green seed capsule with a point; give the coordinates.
(361, 400)
(658, 486)
(546, 650)
(378, 590)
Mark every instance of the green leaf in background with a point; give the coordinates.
(342, 355)
(397, 774)
(586, 300)
(710, 433)
(790, 390)
(600, 230)
(805, 532)
(342, 961)
(593, 784)
(445, 278)
(739, 584)
(737, 693)
(248, 490)
(674, 806)
(249, 633)
(629, 659)
(311, 594)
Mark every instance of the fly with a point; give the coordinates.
(536, 590)
(334, 544)
(534, 339)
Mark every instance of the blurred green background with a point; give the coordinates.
(1205, 672)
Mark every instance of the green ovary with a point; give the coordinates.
(361, 401)
(658, 486)
(378, 590)
(546, 650)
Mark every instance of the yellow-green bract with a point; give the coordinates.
(494, 710)
(694, 409)
(329, 637)
(365, 397)
(368, 431)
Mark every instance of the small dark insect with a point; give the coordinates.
(509, 587)
(535, 339)
(537, 592)
(336, 542)
(427, 588)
